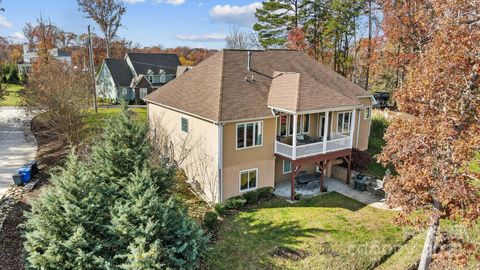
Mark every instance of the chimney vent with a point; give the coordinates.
(249, 60)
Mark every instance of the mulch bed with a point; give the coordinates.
(52, 150)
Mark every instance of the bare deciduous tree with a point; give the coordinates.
(236, 39)
(62, 93)
(107, 14)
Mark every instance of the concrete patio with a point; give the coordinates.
(282, 189)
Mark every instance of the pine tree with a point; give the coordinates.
(275, 19)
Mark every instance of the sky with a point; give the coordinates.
(170, 23)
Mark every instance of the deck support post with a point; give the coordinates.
(296, 169)
(348, 160)
(322, 166)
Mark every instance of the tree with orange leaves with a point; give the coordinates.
(436, 138)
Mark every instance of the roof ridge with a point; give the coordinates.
(220, 99)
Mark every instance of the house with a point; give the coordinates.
(135, 76)
(239, 110)
(29, 57)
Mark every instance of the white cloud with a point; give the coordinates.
(4, 22)
(202, 38)
(133, 1)
(18, 36)
(239, 15)
(172, 2)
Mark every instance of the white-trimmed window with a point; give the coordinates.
(367, 113)
(343, 122)
(248, 179)
(283, 125)
(143, 92)
(286, 124)
(184, 124)
(287, 166)
(249, 134)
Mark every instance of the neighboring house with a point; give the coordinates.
(29, 57)
(237, 112)
(135, 76)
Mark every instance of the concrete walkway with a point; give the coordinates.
(282, 189)
(17, 144)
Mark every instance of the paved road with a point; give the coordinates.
(17, 144)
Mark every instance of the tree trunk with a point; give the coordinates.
(369, 47)
(429, 245)
(107, 45)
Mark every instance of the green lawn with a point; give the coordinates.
(94, 122)
(12, 97)
(324, 232)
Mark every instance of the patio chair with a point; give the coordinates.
(378, 188)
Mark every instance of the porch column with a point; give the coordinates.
(352, 126)
(325, 131)
(348, 160)
(294, 137)
(294, 173)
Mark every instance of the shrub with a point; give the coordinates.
(379, 125)
(235, 203)
(360, 160)
(251, 196)
(265, 193)
(13, 76)
(220, 208)
(210, 220)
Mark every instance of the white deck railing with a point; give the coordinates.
(340, 142)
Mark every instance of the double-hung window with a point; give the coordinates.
(287, 166)
(184, 124)
(249, 134)
(286, 124)
(343, 122)
(248, 179)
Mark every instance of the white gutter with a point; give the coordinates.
(181, 111)
(358, 128)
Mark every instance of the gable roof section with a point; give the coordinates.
(120, 71)
(222, 89)
(142, 62)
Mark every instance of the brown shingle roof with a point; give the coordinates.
(222, 89)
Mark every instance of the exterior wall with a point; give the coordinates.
(201, 164)
(105, 85)
(235, 161)
(364, 130)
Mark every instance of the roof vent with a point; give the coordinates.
(249, 60)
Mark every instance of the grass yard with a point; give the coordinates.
(324, 232)
(96, 121)
(12, 96)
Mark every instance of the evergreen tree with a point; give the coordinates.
(275, 19)
(13, 76)
(67, 226)
(152, 233)
(112, 211)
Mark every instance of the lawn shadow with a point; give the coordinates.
(329, 200)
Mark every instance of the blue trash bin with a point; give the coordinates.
(24, 173)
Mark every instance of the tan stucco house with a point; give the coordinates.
(238, 110)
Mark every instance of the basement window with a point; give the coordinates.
(184, 125)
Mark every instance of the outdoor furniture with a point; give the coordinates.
(378, 188)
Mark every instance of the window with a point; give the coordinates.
(306, 123)
(150, 78)
(367, 113)
(185, 125)
(283, 125)
(249, 134)
(143, 92)
(287, 166)
(343, 122)
(162, 78)
(248, 179)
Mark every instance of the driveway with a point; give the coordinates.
(17, 144)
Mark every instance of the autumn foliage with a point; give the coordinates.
(433, 142)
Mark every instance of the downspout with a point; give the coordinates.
(220, 162)
(358, 129)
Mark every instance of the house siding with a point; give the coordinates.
(105, 85)
(201, 164)
(260, 157)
